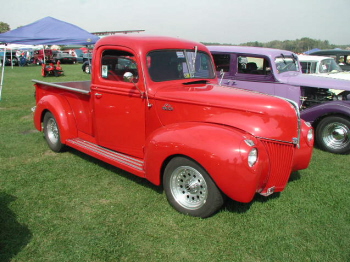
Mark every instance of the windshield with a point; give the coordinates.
(286, 64)
(329, 66)
(165, 65)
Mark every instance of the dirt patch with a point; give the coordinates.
(27, 132)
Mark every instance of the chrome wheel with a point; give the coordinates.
(188, 187)
(87, 69)
(52, 131)
(333, 135)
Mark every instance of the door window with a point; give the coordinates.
(115, 63)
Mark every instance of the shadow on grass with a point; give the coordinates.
(120, 172)
(13, 235)
(230, 205)
(237, 207)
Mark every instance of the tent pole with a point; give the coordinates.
(2, 72)
(11, 59)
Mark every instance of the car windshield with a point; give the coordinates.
(165, 65)
(329, 66)
(286, 64)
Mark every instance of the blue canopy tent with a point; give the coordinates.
(47, 31)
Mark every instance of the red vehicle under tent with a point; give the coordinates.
(41, 55)
(51, 69)
(154, 108)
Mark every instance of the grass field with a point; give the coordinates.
(71, 207)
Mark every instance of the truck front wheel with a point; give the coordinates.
(52, 133)
(333, 135)
(189, 188)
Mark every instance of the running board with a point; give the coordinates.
(122, 161)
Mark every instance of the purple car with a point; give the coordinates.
(324, 102)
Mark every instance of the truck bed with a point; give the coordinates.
(82, 87)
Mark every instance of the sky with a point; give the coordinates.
(214, 21)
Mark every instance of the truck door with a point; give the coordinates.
(119, 110)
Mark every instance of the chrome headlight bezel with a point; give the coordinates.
(253, 157)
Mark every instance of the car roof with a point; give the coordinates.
(312, 58)
(250, 50)
(331, 52)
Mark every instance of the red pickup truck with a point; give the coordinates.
(154, 109)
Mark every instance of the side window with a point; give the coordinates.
(115, 63)
(222, 62)
(341, 60)
(253, 65)
(308, 67)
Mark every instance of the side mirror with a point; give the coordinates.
(128, 77)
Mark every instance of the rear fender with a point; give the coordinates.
(220, 150)
(63, 113)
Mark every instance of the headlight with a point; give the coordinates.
(252, 157)
(310, 135)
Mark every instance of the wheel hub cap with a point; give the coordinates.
(336, 135)
(188, 187)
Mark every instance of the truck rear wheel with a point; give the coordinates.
(333, 135)
(189, 188)
(52, 133)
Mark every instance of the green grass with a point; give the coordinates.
(71, 207)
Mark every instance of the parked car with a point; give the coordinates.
(322, 66)
(41, 55)
(64, 58)
(324, 102)
(342, 57)
(86, 67)
(9, 59)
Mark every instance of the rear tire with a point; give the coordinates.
(190, 190)
(52, 133)
(333, 135)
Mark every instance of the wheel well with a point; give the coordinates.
(320, 118)
(166, 162)
(42, 117)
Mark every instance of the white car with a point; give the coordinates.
(322, 66)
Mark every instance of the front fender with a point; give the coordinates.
(220, 150)
(334, 107)
(63, 113)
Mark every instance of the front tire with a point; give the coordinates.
(190, 190)
(52, 133)
(333, 135)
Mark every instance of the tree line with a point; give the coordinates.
(296, 46)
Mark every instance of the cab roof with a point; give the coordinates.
(147, 43)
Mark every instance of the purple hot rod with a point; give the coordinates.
(324, 102)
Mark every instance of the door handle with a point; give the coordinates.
(98, 95)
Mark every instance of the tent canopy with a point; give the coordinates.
(49, 31)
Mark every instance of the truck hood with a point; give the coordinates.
(258, 114)
(299, 79)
